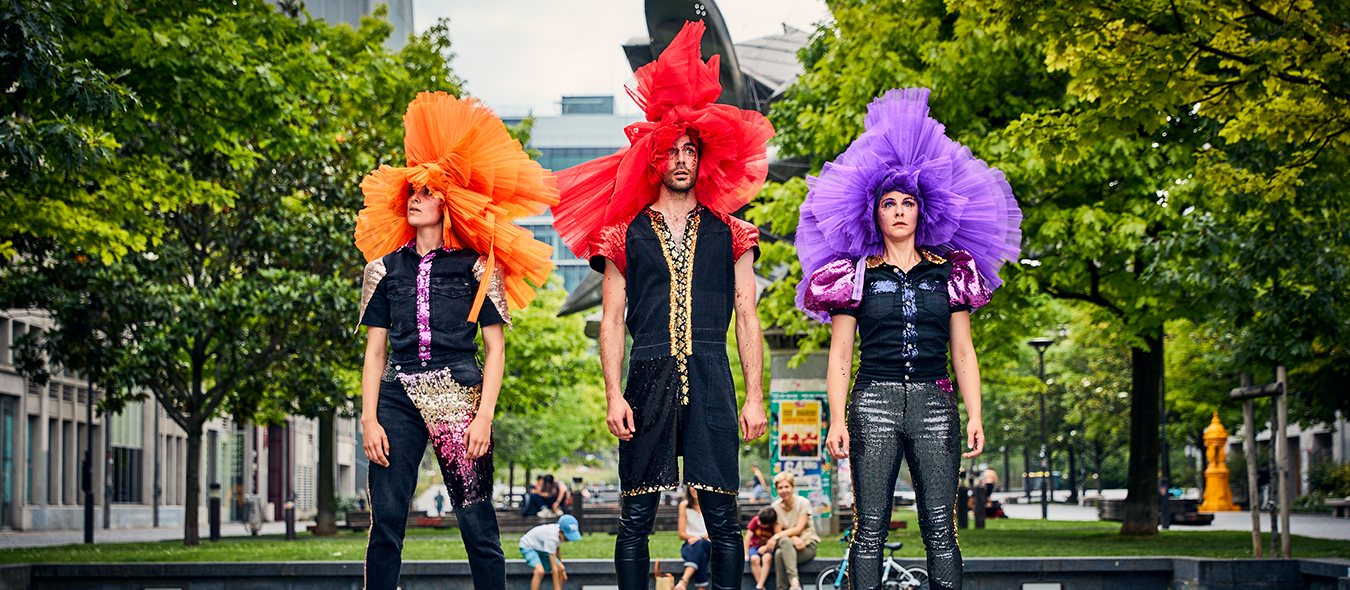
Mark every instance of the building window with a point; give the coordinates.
(126, 475)
(128, 456)
(6, 356)
(32, 457)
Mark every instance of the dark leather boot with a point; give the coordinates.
(725, 566)
(632, 562)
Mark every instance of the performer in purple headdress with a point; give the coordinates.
(899, 239)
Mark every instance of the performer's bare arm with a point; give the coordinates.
(750, 343)
(478, 436)
(842, 329)
(967, 370)
(619, 418)
(374, 441)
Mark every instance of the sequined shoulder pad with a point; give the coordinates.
(931, 257)
(370, 279)
(744, 235)
(496, 292)
(966, 286)
(837, 285)
(611, 243)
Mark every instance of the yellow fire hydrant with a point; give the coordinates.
(1218, 495)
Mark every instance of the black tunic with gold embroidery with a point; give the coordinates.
(681, 296)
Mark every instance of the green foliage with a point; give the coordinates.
(552, 403)
(1261, 149)
(63, 183)
(1331, 477)
(266, 124)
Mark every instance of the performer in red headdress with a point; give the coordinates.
(655, 218)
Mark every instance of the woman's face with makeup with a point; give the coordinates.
(897, 216)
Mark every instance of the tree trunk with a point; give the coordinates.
(191, 534)
(327, 520)
(1141, 504)
(1073, 476)
(1098, 458)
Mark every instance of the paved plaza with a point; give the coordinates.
(1320, 526)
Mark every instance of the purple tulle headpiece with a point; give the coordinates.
(963, 203)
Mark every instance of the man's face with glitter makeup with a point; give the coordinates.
(681, 165)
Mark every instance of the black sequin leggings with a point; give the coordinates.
(918, 423)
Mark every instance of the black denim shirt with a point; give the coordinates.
(904, 321)
(451, 290)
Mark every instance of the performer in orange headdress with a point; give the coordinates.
(656, 219)
(440, 242)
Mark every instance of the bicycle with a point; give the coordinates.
(835, 577)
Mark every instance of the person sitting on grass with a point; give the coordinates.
(539, 547)
(761, 528)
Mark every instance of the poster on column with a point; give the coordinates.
(797, 436)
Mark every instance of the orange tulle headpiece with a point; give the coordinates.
(677, 94)
(460, 151)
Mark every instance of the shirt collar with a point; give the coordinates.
(411, 248)
(926, 258)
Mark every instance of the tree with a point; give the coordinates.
(247, 303)
(1266, 242)
(63, 182)
(552, 401)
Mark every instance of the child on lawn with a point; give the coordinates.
(539, 547)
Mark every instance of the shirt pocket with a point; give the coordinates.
(402, 306)
(450, 300)
(879, 298)
(931, 299)
(721, 398)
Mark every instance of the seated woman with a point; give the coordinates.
(796, 542)
(761, 528)
(546, 498)
(697, 549)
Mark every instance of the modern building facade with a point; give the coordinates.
(351, 11)
(140, 455)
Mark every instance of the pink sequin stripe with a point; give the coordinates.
(424, 306)
(945, 385)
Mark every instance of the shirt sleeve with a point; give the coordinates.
(744, 238)
(611, 242)
(494, 310)
(374, 296)
(965, 288)
(833, 289)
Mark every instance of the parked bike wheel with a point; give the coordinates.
(917, 579)
(827, 578)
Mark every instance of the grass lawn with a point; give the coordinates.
(1002, 538)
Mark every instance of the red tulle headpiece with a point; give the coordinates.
(677, 93)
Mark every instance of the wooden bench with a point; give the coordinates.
(1183, 511)
(1339, 508)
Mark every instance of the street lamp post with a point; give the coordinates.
(1040, 344)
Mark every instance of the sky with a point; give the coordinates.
(523, 56)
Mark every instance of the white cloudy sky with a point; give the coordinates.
(524, 55)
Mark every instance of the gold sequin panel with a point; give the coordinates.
(680, 261)
(496, 292)
(374, 273)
